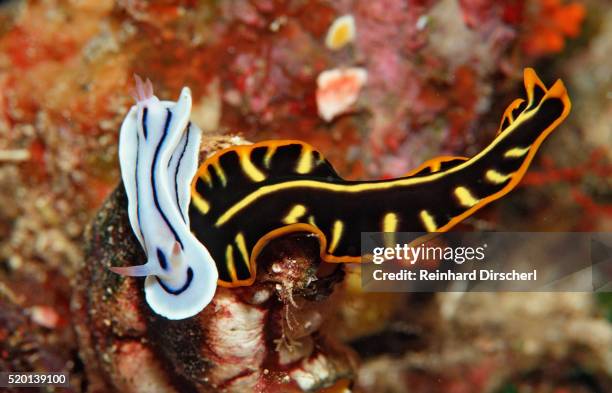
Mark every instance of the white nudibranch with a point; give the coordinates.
(158, 155)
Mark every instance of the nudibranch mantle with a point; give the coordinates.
(158, 155)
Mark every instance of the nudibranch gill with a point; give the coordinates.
(158, 154)
(245, 196)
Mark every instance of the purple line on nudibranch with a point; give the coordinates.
(153, 170)
(181, 289)
(176, 171)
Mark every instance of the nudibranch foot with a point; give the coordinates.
(158, 154)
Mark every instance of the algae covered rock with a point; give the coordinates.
(266, 337)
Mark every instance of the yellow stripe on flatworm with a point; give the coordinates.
(250, 169)
(268, 157)
(220, 173)
(199, 202)
(389, 229)
(492, 176)
(465, 197)
(516, 152)
(294, 214)
(428, 221)
(229, 259)
(311, 221)
(206, 176)
(304, 165)
(336, 235)
(390, 222)
(242, 248)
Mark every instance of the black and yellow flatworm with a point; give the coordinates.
(245, 196)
